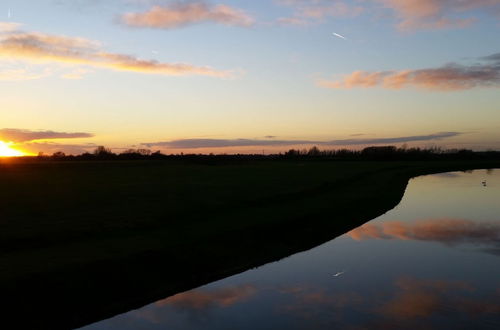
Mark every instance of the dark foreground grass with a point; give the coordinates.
(82, 241)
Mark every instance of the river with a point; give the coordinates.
(433, 262)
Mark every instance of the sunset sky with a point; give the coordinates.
(247, 76)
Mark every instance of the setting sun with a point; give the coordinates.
(7, 151)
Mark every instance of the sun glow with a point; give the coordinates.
(7, 151)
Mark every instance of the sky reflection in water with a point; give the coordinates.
(433, 262)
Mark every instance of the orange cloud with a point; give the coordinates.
(200, 299)
(41, 48)
(355, 79)
(436, 14)
(181, 14)
(450, 77)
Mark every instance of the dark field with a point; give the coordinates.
(81, 241)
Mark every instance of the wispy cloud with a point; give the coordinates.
(437, 14)
(401, 139)
(307, 12)
(221, 143)
(297, 21)
(76, 74)
(495, 58)
(23, 135)
(409, 15)
(21, 74)
(450, 77)
(9, 26)
(39, 47)
(179, 14)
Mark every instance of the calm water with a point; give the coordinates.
(431, 263)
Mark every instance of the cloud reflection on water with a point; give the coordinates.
(447, 231)
(202, 299)
(406, 303)
(194, 306)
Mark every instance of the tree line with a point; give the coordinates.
(368, 153)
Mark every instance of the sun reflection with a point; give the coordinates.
(7, 151)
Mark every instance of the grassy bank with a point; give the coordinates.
(82, 241)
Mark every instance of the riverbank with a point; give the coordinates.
(84, 241)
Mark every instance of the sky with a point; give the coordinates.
(248, 76)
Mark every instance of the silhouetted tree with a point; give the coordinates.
(102, 151)
(157, 155)
(291, 153)
(314, 152)
(58, 155)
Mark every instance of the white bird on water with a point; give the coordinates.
(339, 36)
(338, 274)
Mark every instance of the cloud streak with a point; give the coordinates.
(23, 135)
(51, 147)
(401, 139)
(410, 15)
(181, 14)
(437, 14)
(451, 77)
(221, 143)
(39, 47)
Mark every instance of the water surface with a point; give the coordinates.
(433, 262)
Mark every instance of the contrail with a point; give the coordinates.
(339, 36)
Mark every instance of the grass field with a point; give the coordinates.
(81, 241)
